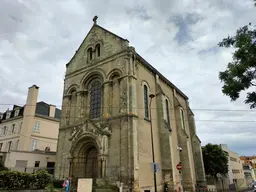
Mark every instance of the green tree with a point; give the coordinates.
(215, 160)
(240, 74)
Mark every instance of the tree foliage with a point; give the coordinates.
(2, 167)
(215, 160)
(240, 74)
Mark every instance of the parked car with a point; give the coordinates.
(252, 186)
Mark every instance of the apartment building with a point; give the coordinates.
(29, 134)
(249, 165)
(235, 166)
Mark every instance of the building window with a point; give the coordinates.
(17, 143)
(1, 145)
(167, 111)
(16, 113)
(33, 145)
(235, 171)
(233, 159)
(8, 115)
(89, 53)
(182, 119)
(21, 164)
(20, 127)
(9, 146)
(95, 99)
(13, 128)
(5, 130)
(146, 113)
(37, 163)
(98, 50)
(36, 126)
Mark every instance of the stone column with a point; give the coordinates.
(123, 95)
(65, 110)
(116, 97)
(70, 159)
(132, 110)
(126, 84)
(79, 103)
(106, 100)
(84, 107)
(104, 154)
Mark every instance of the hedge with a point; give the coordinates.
(21, 180)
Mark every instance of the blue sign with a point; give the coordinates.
(155, 167)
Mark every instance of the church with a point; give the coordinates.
(123, 124)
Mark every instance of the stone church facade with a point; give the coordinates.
(105, 128)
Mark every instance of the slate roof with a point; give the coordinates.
(42, 109)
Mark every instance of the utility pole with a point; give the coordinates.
(152, 142)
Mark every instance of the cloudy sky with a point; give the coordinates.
(178, 37)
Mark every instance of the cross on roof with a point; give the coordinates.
(95, 19)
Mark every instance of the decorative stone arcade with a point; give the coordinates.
(89, 151)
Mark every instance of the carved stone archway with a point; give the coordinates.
(89, 151)
(85, 158)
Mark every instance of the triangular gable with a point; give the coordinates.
(92, 28)
(88, 127)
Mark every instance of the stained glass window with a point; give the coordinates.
(95, 99)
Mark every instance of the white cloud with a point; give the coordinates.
(38, 38)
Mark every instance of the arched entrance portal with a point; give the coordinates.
(84, 160)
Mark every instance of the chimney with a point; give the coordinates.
(31, 100)
(52, 110)
(28, 118)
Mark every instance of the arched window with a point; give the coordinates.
(95, 99)
(167, 111)
(146, 102)
(98, 50)
(89, 53)
(182, 117)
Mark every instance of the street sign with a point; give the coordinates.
(155, 167)
(179, 166)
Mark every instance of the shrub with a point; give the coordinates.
(20, 180)
(57, 183)
(41, 179)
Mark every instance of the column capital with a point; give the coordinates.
(68, 96)
(82, 92)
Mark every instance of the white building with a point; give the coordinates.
(235, 167)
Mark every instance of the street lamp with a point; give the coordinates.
(152, 141)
